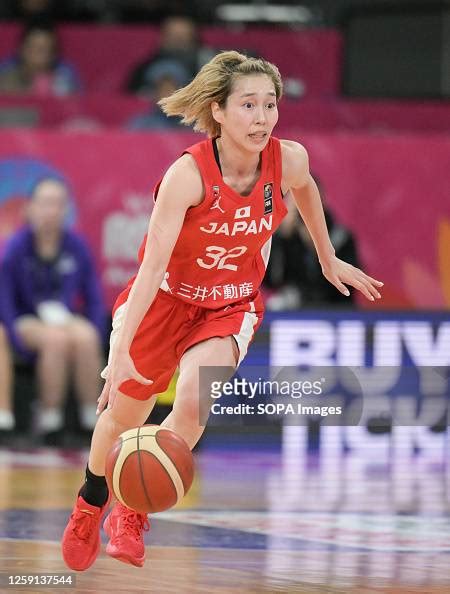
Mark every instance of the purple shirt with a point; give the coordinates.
(26, 280)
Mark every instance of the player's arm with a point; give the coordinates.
(297, 178)
(180, 189)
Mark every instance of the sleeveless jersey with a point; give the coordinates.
(221, 254)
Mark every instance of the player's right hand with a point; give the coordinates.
(120, 369)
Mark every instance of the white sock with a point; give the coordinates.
(6, 419)
(49, 419)
(88, 416)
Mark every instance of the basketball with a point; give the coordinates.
(149, 468)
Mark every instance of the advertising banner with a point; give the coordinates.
(390, 191)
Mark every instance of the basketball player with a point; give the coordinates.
(195, 300)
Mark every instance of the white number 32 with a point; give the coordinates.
(218, 257)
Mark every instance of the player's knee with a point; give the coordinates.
(113, 425)
(187, 401)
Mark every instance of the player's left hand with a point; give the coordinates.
(340, 273)
(120, 369)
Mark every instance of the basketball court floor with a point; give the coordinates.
(263, 516)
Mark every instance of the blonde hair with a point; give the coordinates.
(214, 82)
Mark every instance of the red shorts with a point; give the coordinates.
(171, 326)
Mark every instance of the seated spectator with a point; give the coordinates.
(180, 45)
(166, 80)
(50, 301)
(294, 277)
(37, 68)
(6, 414)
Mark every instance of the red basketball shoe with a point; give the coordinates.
(125, 529)
(81, 538)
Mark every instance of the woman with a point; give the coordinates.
(51, 305)
(37, 68)
(195, 300)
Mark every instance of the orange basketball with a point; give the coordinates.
(149, 468)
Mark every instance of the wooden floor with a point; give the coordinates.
(255, 521)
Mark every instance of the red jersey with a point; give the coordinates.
(223, 248)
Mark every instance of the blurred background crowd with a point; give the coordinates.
(307, 12)
(367, 84)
